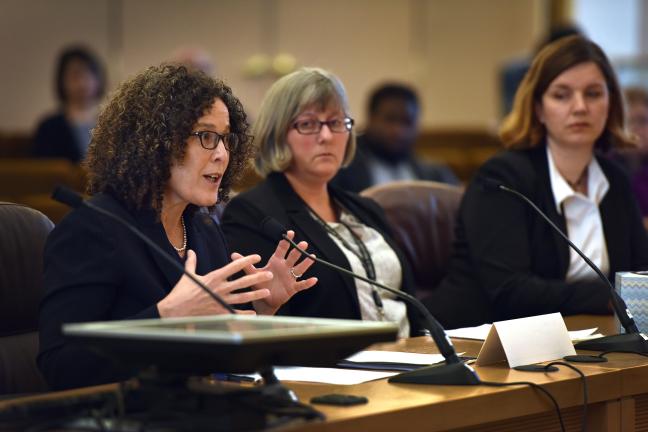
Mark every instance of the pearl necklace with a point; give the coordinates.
(184, 238)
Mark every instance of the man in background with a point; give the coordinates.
(385, 151)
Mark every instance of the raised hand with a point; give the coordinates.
(287, 270)
(188, 299)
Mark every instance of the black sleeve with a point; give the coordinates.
(500, 232)
(438, 172)
(82, 277)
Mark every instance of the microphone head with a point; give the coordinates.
(490, 183)
(67, 196)
(272, 228)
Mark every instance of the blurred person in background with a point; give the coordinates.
(385, 152)
(636, 159)
(80, 85)
(195, 57)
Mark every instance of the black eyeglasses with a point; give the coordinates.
(209, 140)
(313, 126)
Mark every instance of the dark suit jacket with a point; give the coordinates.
(97, 270)
(513, 264)
(335, 295)
(357, 176)
(55, 139)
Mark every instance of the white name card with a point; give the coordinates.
(525, 341)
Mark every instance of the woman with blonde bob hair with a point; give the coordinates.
(303, 135)
(567, 110)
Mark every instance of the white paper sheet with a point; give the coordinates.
(329, 375)
(581, 335)
(476, 333)
(395, 357)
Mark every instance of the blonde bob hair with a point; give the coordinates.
(284, 101)
(522, 128)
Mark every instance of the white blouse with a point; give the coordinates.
(584, 224)
(387, 266)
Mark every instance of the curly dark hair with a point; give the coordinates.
(143, 130)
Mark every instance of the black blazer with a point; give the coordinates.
(97, 270)
(55, 139)
(357, 176)
(510, 260)
(335, 295)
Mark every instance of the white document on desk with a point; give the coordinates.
(329, 375)
(475, 333)
(581, 335)
(396, 357)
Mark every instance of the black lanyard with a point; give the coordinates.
(362, 253)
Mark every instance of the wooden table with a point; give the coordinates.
(618, 396)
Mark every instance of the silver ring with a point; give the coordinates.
(292, 272)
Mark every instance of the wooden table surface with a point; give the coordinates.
(617, 392)
(438, 408)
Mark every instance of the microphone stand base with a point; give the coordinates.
(443, 374)
(630, 342)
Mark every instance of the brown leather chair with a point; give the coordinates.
(22, 238)
(422, 215)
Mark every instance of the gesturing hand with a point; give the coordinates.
(286, 271)
(186, 298)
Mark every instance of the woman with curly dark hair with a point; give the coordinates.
(169, 141)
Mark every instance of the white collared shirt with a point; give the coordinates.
(583, 218)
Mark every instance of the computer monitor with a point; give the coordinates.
(229, 343)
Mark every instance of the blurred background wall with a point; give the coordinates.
(450, 49)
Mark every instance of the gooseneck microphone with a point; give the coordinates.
(69, 197)
(632, 340)
(454, 372)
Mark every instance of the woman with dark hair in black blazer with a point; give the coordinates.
(303, 135)
(170, 140)
(507, 259)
